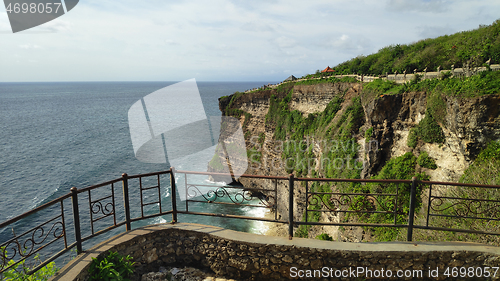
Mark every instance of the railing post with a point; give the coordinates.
(411, 214)
(173, 194)
(76, 220)
(126, 201)
(290, 207)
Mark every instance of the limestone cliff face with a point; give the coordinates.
(470, 123)
(314, 98)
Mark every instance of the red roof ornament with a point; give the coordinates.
(328, 69)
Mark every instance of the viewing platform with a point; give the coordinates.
(247, 256)
(100, 208)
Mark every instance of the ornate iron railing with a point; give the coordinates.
(109, 207)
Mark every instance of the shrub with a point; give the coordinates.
(437, 106)
(302, 231)
(368, 134)
(19, 271)
(111, 267)
(412, 138)
(380, 86)
(479, 45)
(402, 167)
(429, 130)
(324, 236)
(486, 167)
(445, 75)
(416, 79)
(484, 170)
(424, 160)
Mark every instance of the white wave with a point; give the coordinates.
(221, 183)
(258, 227)
(158, 220)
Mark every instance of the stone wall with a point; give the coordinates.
(245, 256)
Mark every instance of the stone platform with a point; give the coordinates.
(246, 256)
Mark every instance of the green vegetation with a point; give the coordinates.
(324, 236)
(486, 167)
(484, 170)
(20, 270)
(402, 167)
(339, 146)
(485, 83)
(234, 97)
(292, 126)
(302, 231)
(330, 79)
(412, 138)
(436, 106)
(427, 130)
(111, 267)
(296, 129)
(216, 161)
(424, 160)
(476, 46)
(368, 134)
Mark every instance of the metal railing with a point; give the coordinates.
(105, 213)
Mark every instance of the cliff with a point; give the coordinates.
(358, 131)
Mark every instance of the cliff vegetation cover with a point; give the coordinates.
(343, 122)
(475, 46)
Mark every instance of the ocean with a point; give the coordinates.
(58, 135)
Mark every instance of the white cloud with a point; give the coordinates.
(171, 42)
(57, 25)
(256, 27)
(223, 39)
(434, 31)
(347, 44)
(29, 46)
(427, 6)
(285, 42)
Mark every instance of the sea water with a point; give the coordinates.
(54, 136)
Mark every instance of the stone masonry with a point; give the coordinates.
(245, 256)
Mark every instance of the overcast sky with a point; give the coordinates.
(222, 40)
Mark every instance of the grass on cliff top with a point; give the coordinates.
(485, 83)
(429, 130)
(477, 45)
(346, 79)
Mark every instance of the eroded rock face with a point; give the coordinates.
(314, 98)
(470, 124)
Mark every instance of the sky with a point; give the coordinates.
(222, 40)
